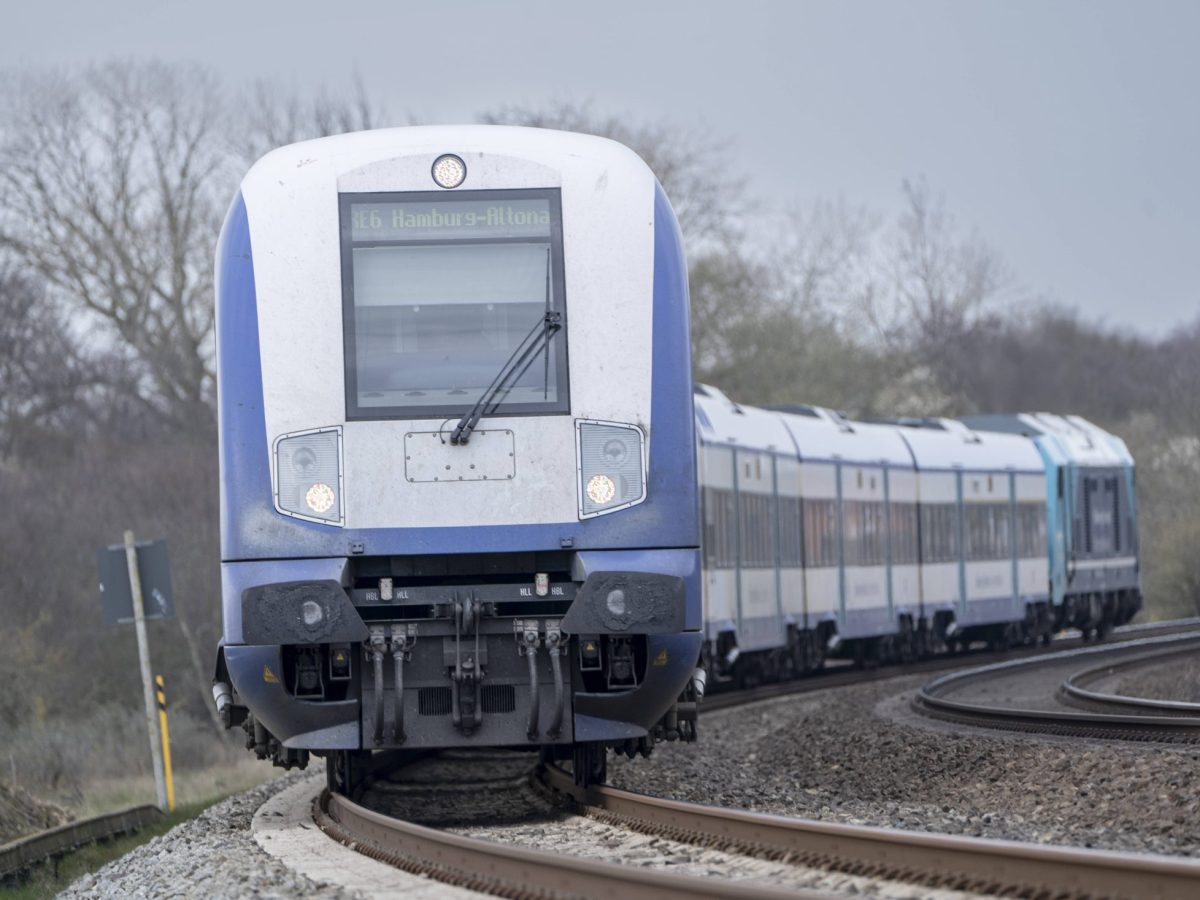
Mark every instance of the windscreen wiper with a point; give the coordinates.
(518, 363)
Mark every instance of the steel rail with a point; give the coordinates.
(510, 871)
(1072, 687)
(936, 860)
(933, 699)
(23, 854)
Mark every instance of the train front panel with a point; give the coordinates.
(457, 450)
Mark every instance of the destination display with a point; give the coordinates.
(449, 219)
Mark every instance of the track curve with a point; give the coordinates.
(1119, 719)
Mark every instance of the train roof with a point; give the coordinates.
(1074, 438)
(721, 421)
(339, 154)
(950, 444)
(811, 432)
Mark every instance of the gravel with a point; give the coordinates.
(211, 855)
(490, 796)
(860, 755)
(857, 754)
(1172, 679)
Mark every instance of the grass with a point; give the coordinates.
(217, 782)
(194, 793)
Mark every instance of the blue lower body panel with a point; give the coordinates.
(323, 662)
(256, 675)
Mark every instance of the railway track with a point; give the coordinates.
(19, 857)
(1075, 692)
(925, 860)
(1045, 694)
(915, 858)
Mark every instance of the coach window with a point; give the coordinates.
(441, 290)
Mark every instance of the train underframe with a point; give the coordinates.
(1094, 614)
(567, 668)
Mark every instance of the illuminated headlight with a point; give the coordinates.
(449, 171)
(612, 472)
(320, 498)
(308, 475)
(601, 490)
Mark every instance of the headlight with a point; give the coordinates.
(308, 475)
(612, 472)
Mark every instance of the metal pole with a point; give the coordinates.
(139, 622)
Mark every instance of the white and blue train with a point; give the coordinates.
(466, 478)
(894, 539)
(458, 487)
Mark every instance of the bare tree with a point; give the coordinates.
(940, 280)
(271, 116)
(112, 184)
(51, 383)
(1180, 358)
(693, 166)
(729, 293)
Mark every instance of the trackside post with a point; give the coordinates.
(139, 622)
(166, 741)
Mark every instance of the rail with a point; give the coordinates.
(1136, 723)
(1073, 689)
(21, 855)
(505, 870)
(937, 860)
(933, 860)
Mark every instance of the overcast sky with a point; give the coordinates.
(1067, 134)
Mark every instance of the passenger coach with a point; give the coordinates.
(893, 539)
(458, 486)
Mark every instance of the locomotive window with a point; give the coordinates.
(440, 290)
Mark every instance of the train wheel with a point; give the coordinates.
(346, 770)
(590, 763)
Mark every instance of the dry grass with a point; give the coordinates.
(192, 787)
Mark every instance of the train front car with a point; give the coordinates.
(458, 477)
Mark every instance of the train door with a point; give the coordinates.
(719, 520)
(887, 546)
(960, 530)
(792, 590)
(1014, 543)
(840, 519)
(760, 622)
(821, 535)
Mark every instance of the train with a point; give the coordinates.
(471, 496)
(894, 539)
(457, 468)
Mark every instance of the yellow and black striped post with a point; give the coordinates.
(166, 741)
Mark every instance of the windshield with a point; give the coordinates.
(440, 289)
